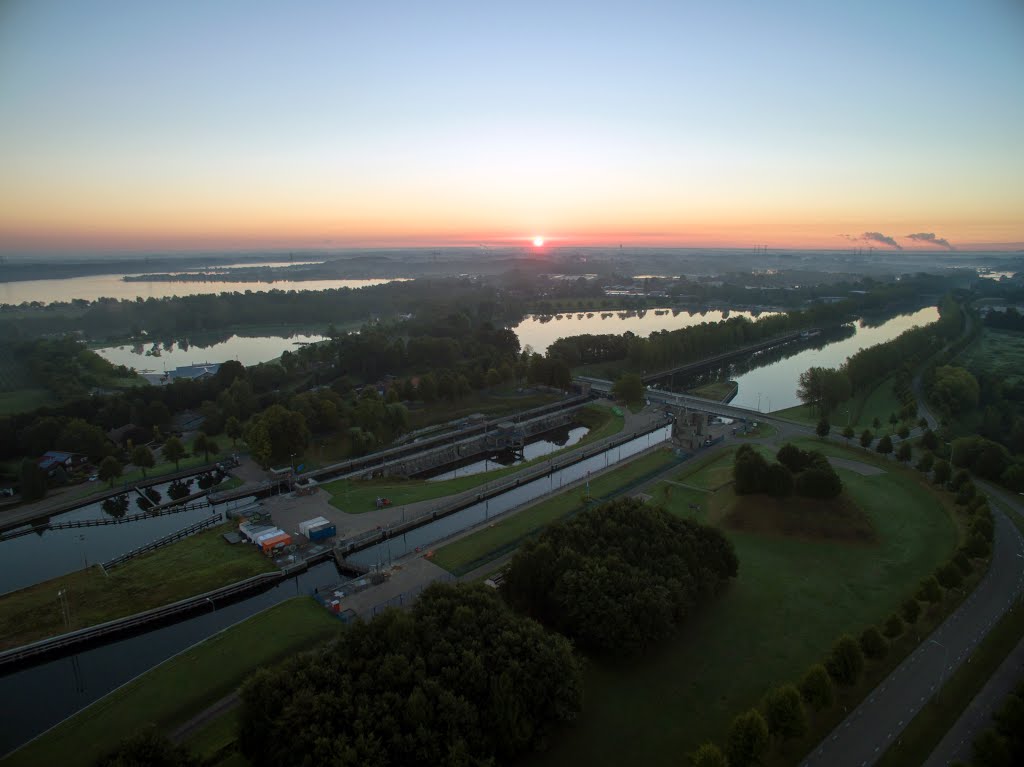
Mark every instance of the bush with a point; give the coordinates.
(708, 755)
(846, 663)
(949, 576)
(925, 463)
(873, 644)
(778, 481)
(893, 626)
(884, 445)
(747, 740)
(963, 562)
(793, 458)
(929, 590)
(866, 438)
(816, 688)
(784, 712)
(819, 483)
(749, 471)
(911, 611)
(978, 547)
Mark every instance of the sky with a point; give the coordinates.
(199, 125)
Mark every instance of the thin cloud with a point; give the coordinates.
(930, 238)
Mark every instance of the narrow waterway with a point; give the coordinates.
(39, 697)
(423, 537)
(45, 554)
(544, 445)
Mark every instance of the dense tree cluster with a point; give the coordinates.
(1010, 319)
(459, 679)
(65, 367)
(619, 577)
(953, 390)
(808, 473)
(1002, 744)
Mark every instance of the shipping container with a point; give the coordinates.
(320, 532)
(309, 524)
(258, 540)
(277, 542)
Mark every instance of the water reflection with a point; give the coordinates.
(158, 356)
(549, 443)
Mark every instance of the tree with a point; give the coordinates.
(78, 436)
(778, 482)
(866, 438)
(819, 481)
(174, 450)
(110, 469)
(816, 688)
(749, 471)
(911, 610)
(954, 390)
(992, 750)
(949, 576)
(629, 388)
(784, 712)
(708, 755)
(893, 626)
(823, 428)
(747, 740)
(33, 481)
(458, 679)
(929, 441)
(941, 471)
(928, 590)
(846, 662)
(904, 432)
(149, 749)
(233, 428)
(618, 577)
(142, 457)
(884, 445)
(873, 644)
(905, 453)
(925, 462)
(207, 445)
(849, 433)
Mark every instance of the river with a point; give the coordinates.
(773, 387)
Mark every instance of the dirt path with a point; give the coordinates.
(204, 717)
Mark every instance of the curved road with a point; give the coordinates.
(878, 721)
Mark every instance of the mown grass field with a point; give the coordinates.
(175, 691)
(793, 597)
(191, 566)
(859, 412)
(717, 390)
(357, 497)
(485, 545)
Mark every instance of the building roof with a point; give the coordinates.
(193, 372)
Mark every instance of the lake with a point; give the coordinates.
(158, 356)
(540, 331)
(112, 286)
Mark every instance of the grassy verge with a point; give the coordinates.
(717, 390)
(506, 534)
(191, 566)
(357, 497)
(23, 400)
(793, 597)
(761, 430)
(171, 693)
(860, 411)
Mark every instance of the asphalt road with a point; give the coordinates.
(956, 744)
(865, 734)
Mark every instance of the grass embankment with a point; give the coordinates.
(183, 569)
(507, 533)
(357, 497)
(793, 598)
(860, 411)
(172, 693)
(717, 390)
(761, 430)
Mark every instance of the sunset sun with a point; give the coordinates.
(538, 241)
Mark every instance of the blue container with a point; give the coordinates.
(320, 532)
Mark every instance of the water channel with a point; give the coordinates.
(72, 683)
(544, 444)
(44, 554)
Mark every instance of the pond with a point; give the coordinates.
(160, 356)
(540, 331)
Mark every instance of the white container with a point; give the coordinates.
(309, 524)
